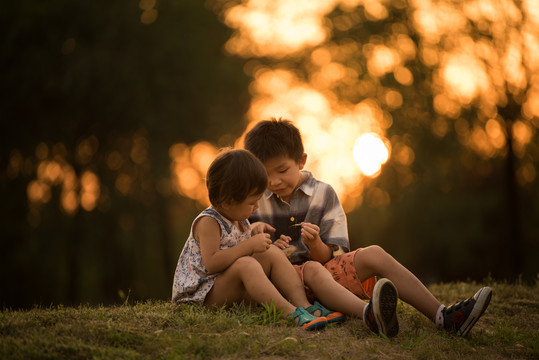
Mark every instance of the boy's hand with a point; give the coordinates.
(310, 233)
(260, 242)
(260, 227)
(283, 242)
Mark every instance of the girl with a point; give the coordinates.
(226, 261)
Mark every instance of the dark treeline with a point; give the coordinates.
(105, 89)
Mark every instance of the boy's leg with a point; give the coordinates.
(460, 318)
(283, 275)
(331, 293)
(245, 280)
(380, 314)
(374, 261)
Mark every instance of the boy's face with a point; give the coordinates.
(284, 175)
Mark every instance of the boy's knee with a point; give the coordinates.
(376, 250)
(371, 257)
(313, 270)
(372, 252)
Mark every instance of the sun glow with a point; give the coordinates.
(332, 89)
(370, 153)
(343, 142)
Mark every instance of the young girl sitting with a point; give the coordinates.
(226, 261)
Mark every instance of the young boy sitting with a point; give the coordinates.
(308, 218)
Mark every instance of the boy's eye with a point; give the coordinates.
(283, 171)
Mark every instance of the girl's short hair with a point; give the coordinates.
(273, 138)
(234, 175)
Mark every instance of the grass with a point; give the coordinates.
(159, 330)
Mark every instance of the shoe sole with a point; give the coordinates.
(481, 304)
(385, 308)
(336, 318)
(319, 323)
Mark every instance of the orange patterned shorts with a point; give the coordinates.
(343, 271)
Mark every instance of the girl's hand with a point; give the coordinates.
(260, 242)
(283, 242)
(310, 233)
(260, 227)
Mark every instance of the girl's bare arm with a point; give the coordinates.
(208, 233)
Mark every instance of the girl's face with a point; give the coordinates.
(235, 211)
(284, 175)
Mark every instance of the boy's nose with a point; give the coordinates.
(274, 181)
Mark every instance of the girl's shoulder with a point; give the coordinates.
(206, 227)
(226, 225)
(208, 217)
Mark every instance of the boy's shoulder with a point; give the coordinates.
(312, 184)
(320, 193)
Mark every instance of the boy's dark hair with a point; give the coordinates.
(271, 138)
(234, 175)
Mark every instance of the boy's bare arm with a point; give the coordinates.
(311, 237)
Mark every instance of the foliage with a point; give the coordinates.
(94, 98)
(95, 95)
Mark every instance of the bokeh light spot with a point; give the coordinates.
(370, 153)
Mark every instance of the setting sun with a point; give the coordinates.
(370, 153)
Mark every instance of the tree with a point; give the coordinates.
(449, 86)
(94, 95)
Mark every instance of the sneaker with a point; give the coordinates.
(307, 321)
(333, 317)
(381, 312)
(460, 318)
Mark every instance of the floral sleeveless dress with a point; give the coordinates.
(191, 279)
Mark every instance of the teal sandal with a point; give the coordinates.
(307, 321)
(333, 317)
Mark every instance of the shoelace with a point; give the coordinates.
(458, 306)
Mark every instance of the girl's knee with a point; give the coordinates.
(277, 253)
(245, 263)
(271, 255)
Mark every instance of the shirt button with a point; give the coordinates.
(292, 218)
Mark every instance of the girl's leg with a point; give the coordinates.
(245, 280)
(374, 261)
(283, 275)
(330, 293)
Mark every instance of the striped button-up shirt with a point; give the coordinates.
(314, 202)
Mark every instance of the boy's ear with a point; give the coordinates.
(302, 160)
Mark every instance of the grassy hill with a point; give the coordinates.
(159, 330)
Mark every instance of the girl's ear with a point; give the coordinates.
(225, 205)
(302, 160)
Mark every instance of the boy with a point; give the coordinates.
(308, 216)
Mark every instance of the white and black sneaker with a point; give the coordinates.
(460, 318)
(381, 311)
